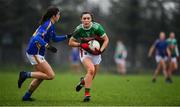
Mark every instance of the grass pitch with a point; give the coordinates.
(107, 90)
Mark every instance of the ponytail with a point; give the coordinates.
(51, 11)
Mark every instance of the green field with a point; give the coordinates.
(107, 90)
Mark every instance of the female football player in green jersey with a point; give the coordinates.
(172, 44)
(120, 57)
(83, 33)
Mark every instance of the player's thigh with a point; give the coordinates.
(159, 65)
(96, 67)
(163, 64)
(88, 64)
(35, 59)
(45, 68)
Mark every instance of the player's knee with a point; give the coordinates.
(51, 76)
(91, 71)
(175, 67)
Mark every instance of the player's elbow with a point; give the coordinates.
(70, 44)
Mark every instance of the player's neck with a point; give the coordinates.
(52, 21)
(88, 27)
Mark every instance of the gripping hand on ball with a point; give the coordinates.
(84, 46)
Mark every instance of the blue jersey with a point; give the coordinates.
(43, 35)
(161, 47)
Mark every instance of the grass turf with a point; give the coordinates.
(107, 90)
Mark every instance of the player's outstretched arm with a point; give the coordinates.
(151, 51)
(73, 42)
(56, 38)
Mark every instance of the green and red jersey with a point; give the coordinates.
(95, 29)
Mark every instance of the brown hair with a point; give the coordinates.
(51, 11)
(87, 12)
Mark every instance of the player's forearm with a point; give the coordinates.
(177, 51)
(151, 51)
(73, 43)
(105, 43)
(59, 38)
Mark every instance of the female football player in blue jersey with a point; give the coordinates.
(162, 52)
(39, 42)
(83, 33)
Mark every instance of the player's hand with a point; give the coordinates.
(51, 48)
(85, 46)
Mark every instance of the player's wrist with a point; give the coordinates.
(69, 35)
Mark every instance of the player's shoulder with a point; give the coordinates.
(175, 40)
(157, 40)
(47, 24)
(80, 26)
(96, 25)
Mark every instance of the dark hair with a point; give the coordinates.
(87, 12)
(48, 14)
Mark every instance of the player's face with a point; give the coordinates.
(162, 36)
(86, 20)
(172, 35)
(56, 17)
